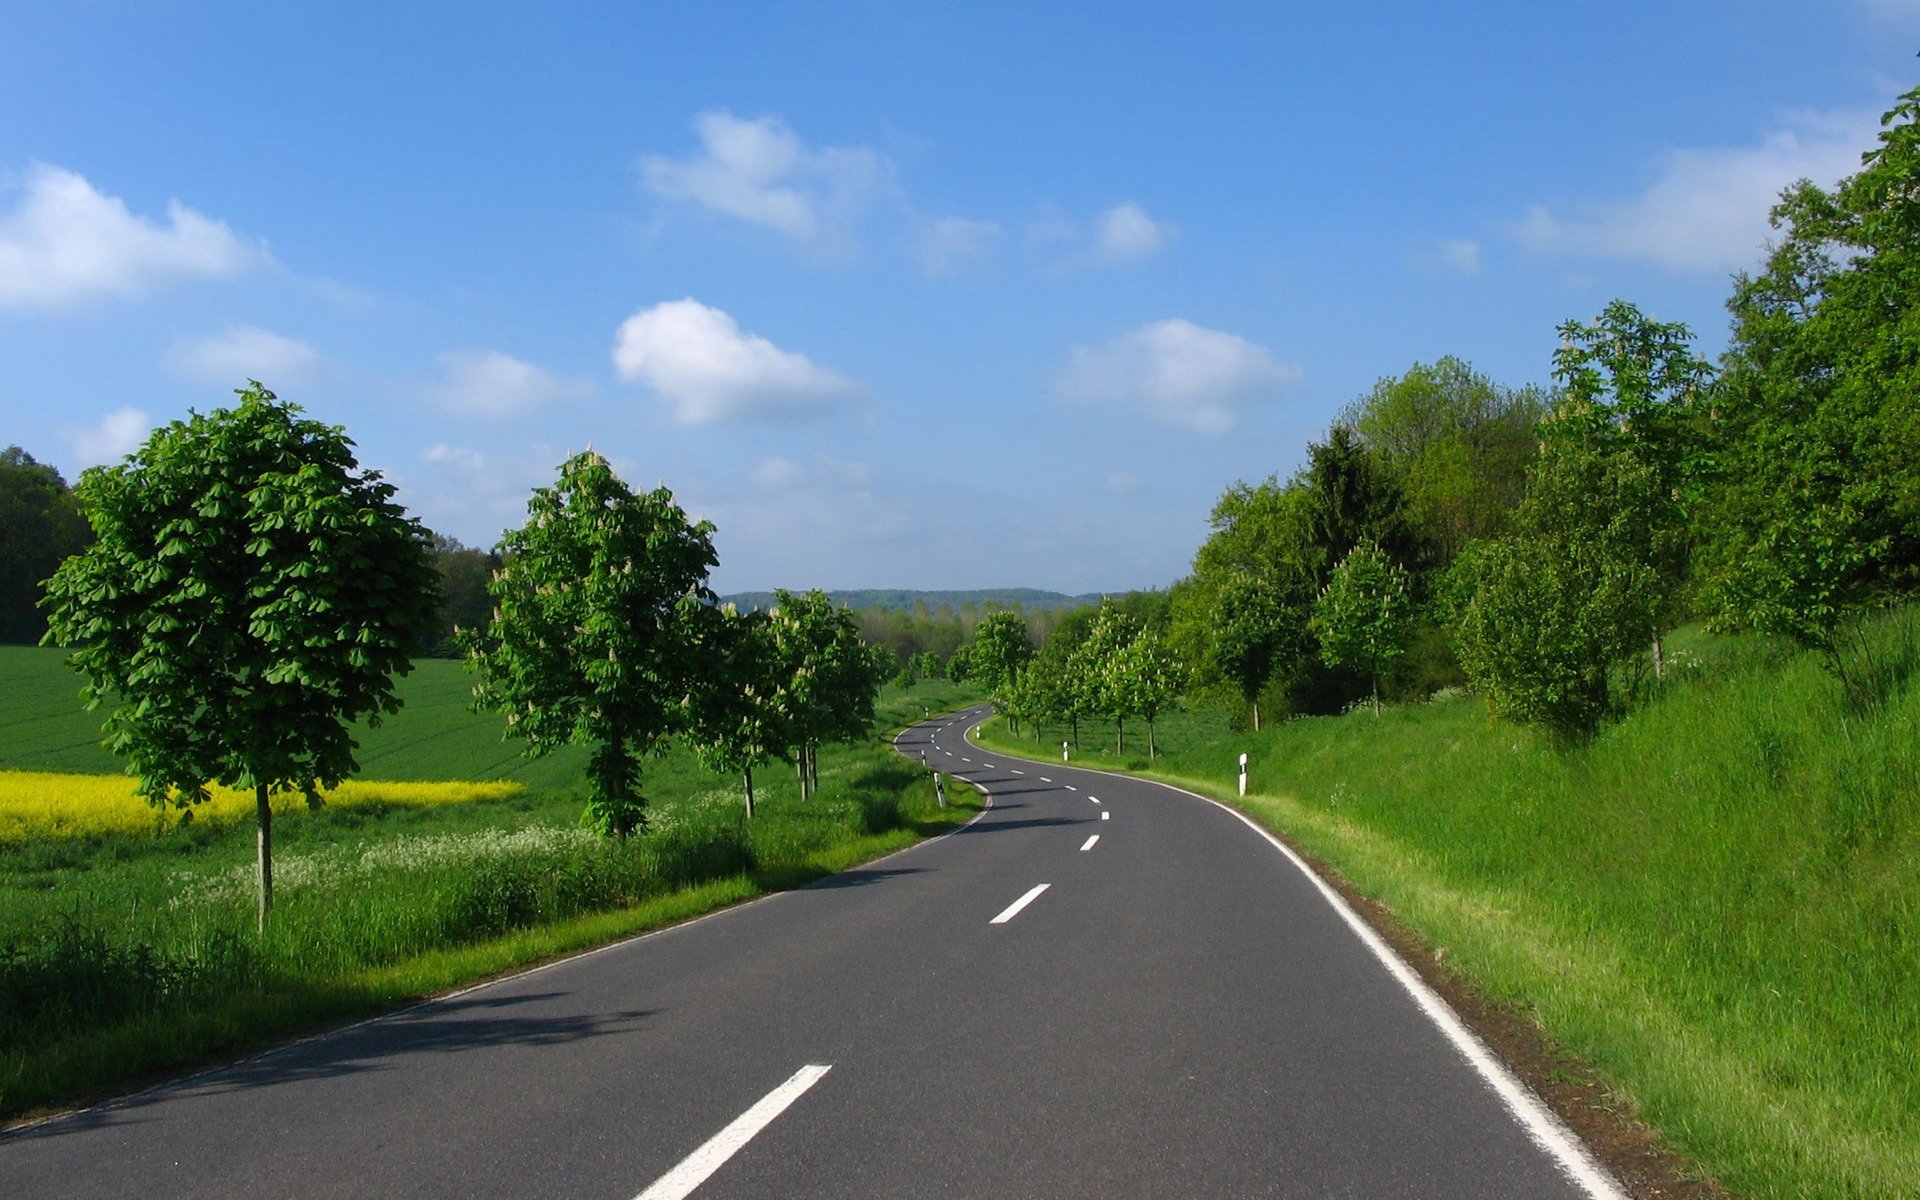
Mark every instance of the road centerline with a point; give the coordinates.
(1088, 844)
(695, 1168)
(1013, 910)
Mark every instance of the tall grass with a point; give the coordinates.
(1716, 901)
(128, 953)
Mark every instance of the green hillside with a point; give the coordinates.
(435, 735)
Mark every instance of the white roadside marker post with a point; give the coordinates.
(1063, 752)
(1243, 774)
(939, 790)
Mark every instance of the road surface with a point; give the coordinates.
(1100, 988)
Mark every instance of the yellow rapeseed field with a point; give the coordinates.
(39, 804)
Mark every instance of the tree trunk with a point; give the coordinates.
(1256, 714)
(263, 814)
(1150, 748)
(1120, 737)
(800, 767)
(1376, 697)
(1076, 732)
(749, 775)
(1659, 660)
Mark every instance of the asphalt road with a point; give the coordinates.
(1180, 1011)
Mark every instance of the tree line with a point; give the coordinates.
(249, 593)
(1538, 544)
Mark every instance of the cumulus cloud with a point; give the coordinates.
(240, 353)
(1177, 372)
(1461, 254)
(64, 241)
(113, 437)
(706, 369)
(1706, 209)
(488, 383)
(761, 172)
(952, 244)
(1125, 233)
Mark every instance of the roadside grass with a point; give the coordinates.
(124, 956)
(1713, 901)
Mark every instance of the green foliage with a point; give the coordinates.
(465, 602)
(1458, 445)
(249, 595)
(828, 676)
(1814, 513)
(738, 719)
(998, 649)
(1251, 633)
(595, 637)
(40, 526)
(1365, 616)
(1144, 679)
(1630, 384)
(1549, 620)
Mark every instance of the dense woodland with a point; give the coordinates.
(1538, 544)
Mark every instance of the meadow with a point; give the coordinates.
(1713, 901)
(126, 945)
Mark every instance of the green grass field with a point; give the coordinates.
(126, 956)
(435, 736)
(1716, 901)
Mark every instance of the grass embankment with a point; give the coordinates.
(1714, 901)
(129, 954)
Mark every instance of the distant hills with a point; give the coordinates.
(906, 599)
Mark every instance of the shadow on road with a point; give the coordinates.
(463, 1023)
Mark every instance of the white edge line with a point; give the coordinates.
(1088, 844)
(1013, 910)
(695, 1168)
(1543, 1127)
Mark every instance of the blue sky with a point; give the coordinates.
(928, 295)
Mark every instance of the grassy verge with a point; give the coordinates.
(124, 957)
(1713, 901)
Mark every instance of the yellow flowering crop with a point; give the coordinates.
(39, 804)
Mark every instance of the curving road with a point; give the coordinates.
(1102, 988)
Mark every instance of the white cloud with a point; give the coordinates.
(115, 436)
(488, 383)
(456, 458)
(1706, 210)
(822, 472)
(243, 352)
(1461, 254)
(64, 242)
(1177, 372)
(761, 172)
(951, 244)
(1125, 233)
(707, 369)
(778, 474)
